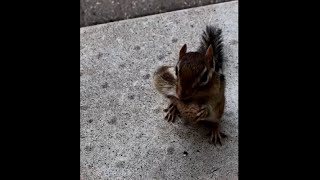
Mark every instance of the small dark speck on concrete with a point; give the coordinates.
(105, 85)
(198, 151)
(157, 111)
(191, 25)
(215, 170)
(88, 148)
(174, 40)
(120, 164)
(147, 76)
(99, 55)
(185, 153)
(131, 97)
(113, 120)
(160, 57)
(90, 121)
(170, 150)
(84, 108)
(233, 42)
(140, 135)
(137, 48)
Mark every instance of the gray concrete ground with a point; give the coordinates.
(94, 12)
(123, 134)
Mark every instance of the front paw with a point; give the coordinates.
(202, 113)
(172, 112)
(216, 136)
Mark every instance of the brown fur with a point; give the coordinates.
(208, 101)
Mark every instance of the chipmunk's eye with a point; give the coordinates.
(204, 79)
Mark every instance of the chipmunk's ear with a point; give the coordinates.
(209, 56)
(183, 51)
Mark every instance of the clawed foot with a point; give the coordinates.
(216, 136)
(172, 112)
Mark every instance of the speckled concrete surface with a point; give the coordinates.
(94, 12)
(123, 134)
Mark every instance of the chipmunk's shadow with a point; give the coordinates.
(199, 134)
(194, 133)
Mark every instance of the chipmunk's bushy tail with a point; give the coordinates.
(213, 36)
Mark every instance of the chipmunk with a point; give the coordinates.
(196, 85)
